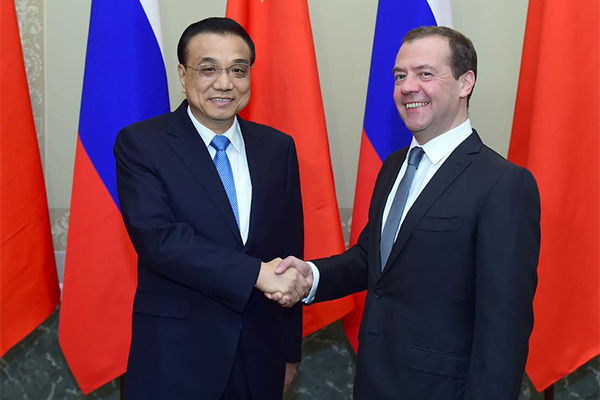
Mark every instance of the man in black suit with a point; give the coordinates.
(450, 251)
(208, 199)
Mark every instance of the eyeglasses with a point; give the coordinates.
(209, 72)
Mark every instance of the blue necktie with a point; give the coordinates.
(388, 236)
(220, 143)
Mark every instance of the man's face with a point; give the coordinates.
(430, 101)
(215, 102)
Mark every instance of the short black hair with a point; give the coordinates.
(463, 56)
(216, 25)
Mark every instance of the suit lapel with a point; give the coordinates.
(189, 146)
(258, 164)
(456, 163)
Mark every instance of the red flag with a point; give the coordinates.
(28, 283)
(286, 94)
(556, 134)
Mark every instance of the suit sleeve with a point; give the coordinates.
(507, 249)
(343, 274)
(171, 248)
(293, 244)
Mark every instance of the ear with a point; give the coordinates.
(467, 82)
(181, 72)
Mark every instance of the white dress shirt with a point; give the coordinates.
(236, 152)
(437, 151)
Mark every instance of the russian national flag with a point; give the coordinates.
(383, 130)
(124, 82)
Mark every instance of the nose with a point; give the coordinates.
(409, 84)
(223, 81)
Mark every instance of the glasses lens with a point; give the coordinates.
(239, 71)
(207, 71)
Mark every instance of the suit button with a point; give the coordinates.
(378, 294)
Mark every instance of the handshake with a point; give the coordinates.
(285, 281)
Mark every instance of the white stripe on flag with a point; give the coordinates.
(442, 11)
(152, 13)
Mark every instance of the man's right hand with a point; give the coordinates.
(289, 284)
(291, 263)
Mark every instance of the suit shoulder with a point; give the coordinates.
(494, 159)
(394, 159)
(503, 167)
(261, 129)
(158, 123)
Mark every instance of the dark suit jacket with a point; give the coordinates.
(195, 297)
(451, 314)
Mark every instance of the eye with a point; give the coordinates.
(239, 70)
(399, 77)
(426, 75)
(207, 69)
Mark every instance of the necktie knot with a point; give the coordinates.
(414, 158)
(220, 142)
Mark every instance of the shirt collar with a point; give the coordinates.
(440, 147)
(233, 133)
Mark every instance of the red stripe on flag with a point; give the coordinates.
(99, 254)
(556, 134)
(369, 165)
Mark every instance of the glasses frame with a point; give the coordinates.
(219, 71)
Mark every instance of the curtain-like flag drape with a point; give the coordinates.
(29, 289)
(286, 95)
(383, 130)
(556, 134)
(124, 82)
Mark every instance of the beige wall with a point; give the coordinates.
(343, 33)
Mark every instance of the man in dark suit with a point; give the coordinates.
(450, 251)
(208, 199)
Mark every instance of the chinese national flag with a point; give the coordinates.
(286, 95)
(28, 283)
(556, 134)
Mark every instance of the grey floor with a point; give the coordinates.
(36, 370)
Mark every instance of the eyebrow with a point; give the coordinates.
(211, 60)
(425, 66)
(418, 68)
(208, 60)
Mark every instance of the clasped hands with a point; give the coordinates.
(285, 281)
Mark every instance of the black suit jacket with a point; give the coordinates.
(451, 314)
(195, 297)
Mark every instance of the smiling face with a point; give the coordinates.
(215, 103)
(428, 97)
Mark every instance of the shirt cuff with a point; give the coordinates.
(313, 290)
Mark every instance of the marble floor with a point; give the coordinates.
(35, 369)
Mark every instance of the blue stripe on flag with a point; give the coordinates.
(125, 80)
(383, 125)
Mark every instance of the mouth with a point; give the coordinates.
(221, 100)
(415, 105)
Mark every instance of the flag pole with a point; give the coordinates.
(549, 393)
